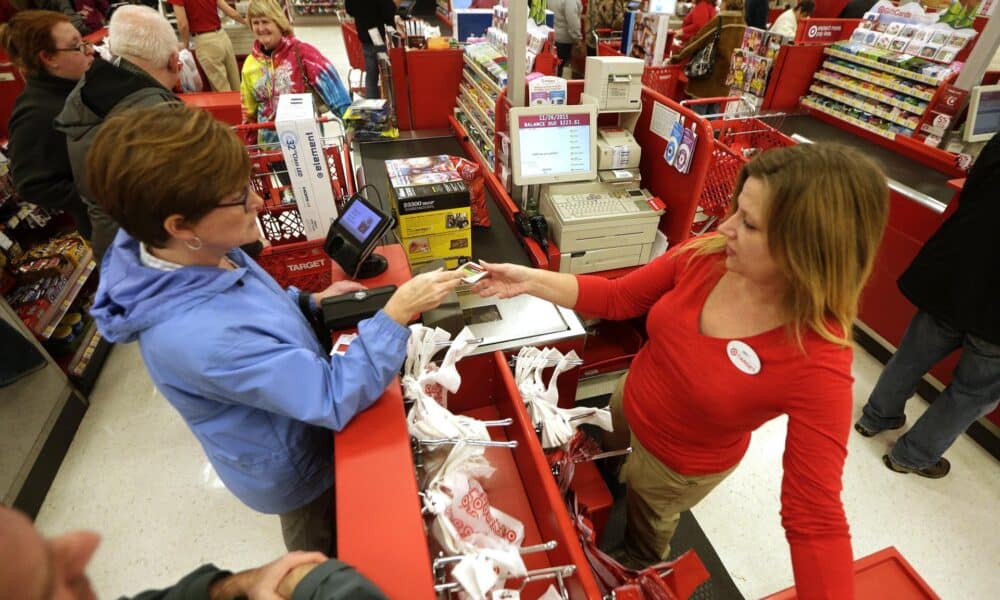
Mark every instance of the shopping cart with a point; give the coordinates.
(668, 80)
(288, 256)
(739, 133)
(608, 42)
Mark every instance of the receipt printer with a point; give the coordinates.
(615, 82)
(616, 149)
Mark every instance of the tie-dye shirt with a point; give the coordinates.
(267, 76)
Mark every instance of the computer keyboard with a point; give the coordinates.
(586, 207)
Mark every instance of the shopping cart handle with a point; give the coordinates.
(717, 100)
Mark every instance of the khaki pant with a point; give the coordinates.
(311, 527)
(217, 58)
(656, 494)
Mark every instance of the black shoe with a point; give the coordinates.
(873, 432)
(935, 471)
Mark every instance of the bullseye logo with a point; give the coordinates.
(813, 31)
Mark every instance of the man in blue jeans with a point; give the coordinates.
(370, 14)
(955, 283)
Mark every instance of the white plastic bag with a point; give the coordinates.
(190, 78)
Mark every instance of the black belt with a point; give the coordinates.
(219, 28)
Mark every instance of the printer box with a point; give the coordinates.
(302, 148)
(453, 247)
(434, 222)
(430, 199)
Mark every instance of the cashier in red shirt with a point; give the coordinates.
(744, 325)
(199, 20)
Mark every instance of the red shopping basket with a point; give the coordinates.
(668, 80)
(289, 257)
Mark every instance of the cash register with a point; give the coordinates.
(598, 223)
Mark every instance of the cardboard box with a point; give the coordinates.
(434, 222)
(453, 248)
(302, 147)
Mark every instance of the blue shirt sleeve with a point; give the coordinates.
(295, 381)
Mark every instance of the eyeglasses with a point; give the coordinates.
(243, 200)
(83, 48)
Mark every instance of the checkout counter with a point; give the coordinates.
(380, 529)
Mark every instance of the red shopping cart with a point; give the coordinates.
(288, 256)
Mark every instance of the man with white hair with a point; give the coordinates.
(144, 70)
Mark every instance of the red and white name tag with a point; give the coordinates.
(743, 357)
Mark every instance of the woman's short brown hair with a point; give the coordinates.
(827, 208)
(147, 164)
(29, 33)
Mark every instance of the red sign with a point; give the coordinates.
(941, 112)
(825, 31)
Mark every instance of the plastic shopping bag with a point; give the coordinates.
(190, 78)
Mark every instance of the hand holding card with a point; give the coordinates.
(471, 272)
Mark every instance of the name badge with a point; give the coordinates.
(743, 357)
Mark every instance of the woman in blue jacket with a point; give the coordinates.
(231, 350)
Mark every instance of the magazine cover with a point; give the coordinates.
(421, 170)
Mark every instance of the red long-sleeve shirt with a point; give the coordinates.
(694, 410)
(700, 15)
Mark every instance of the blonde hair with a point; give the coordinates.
(826, 210)
(269, 9)
(149, 163)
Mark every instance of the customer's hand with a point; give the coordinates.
(423, 292)
(263, 583)
(337, 288)
(503, 280)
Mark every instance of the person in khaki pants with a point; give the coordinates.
(744, 325)
(213, 48)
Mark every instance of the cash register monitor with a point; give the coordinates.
(352, 238)
(553, 143)
(983, 119)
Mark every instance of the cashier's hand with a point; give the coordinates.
(337, 288)
(265, 583)
(503, 280)
(423, 292)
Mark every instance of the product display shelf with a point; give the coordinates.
(885, 82)
(832, 94)
(471, 120)
(50, 319)
(78, 363)
(471, 76)
(807, 102)
(316, 8)
(840, 82)
(483, 75)
(884, 67)
(484, 98)
(482, 117)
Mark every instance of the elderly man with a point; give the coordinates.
(144, 70)
(35, 568)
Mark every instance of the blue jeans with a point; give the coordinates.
(371, 70)
(974, 390)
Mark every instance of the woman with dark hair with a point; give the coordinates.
(53, 56)
(232, 351)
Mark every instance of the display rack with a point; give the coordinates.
(50, 319)
(880, 98)
(316, 8)
(443, 11)
(476, 109)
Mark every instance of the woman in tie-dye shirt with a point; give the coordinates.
(280, 63)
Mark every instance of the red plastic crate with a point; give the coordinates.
(302, 264)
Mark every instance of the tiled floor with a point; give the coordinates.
(137, 475)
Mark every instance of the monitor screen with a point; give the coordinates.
(553, 143)
(360, 221)
(987, 117)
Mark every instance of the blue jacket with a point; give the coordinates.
(234, 355)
